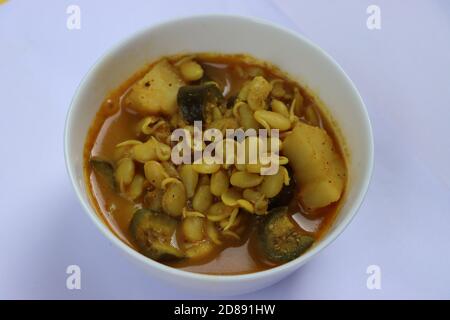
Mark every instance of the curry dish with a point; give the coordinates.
(207, 217)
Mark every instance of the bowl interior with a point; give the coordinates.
(301, 59)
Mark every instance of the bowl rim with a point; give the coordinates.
(292, 265)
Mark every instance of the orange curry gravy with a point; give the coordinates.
(114, 124)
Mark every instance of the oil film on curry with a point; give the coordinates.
(209, 217)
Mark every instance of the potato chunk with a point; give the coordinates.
(156, 92)
(318, 168)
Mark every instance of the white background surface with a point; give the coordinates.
(402, 72)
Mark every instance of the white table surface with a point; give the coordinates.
(402, 72)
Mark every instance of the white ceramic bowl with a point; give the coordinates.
(294, 54)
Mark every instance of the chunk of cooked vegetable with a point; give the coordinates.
(287, 193)
(155, 173)
(152, 232)
(190, 179)
(200, 250)
(136, 187)
(156, 92)
(272, 120)
(244, 179)
(219, 183)
(206, 168)
(124, 173)
(272, 184)
(202, 199)
(152, 149)
(318, 168)
(153, 199)
(174, 199)
(258, 91)
(246, 118)
(105, 170)
(280, 238)
(193, 98)
(193, 228)
(146, 151)
(280, 107)
(213, 233)
(191, 70)
(258, 199)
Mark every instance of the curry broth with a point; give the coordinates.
(114, 124)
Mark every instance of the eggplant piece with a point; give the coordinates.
(104, 169)
(152, 232)
(287, 193)
(280, 238)
(193, 98)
